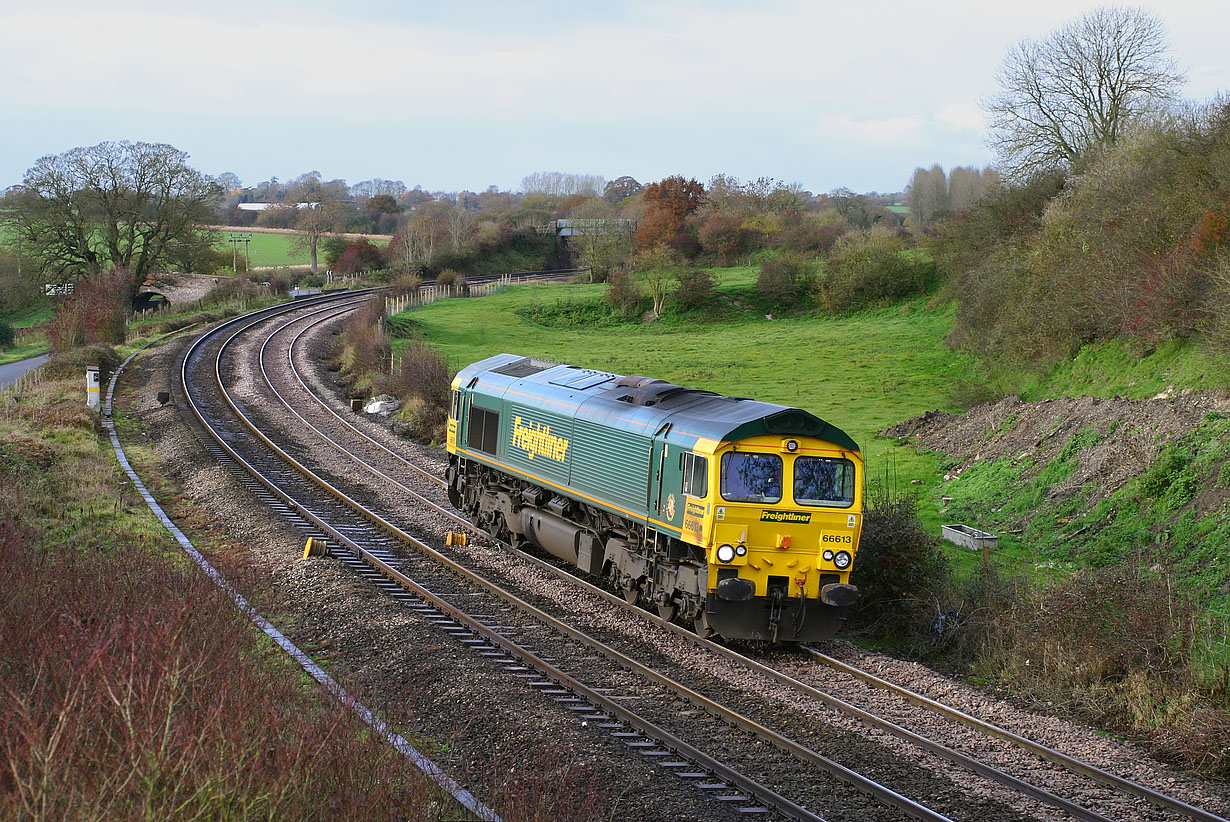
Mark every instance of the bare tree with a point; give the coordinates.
(413, 247)
(315, 220)
(927, 196)
(1079, 88)
(562, 184)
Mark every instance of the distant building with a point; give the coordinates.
(267, 206)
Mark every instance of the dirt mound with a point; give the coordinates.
(1130, 433)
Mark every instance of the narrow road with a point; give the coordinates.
(13, 371)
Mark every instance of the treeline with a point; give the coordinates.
(469, 232)
(1133, 243)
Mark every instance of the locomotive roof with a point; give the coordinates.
(647, 404)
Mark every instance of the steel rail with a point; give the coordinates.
(853, 778)
(945, 752)
(1058, 757)
(753, 788)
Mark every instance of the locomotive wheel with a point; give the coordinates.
(702, 627)
(632, 593)
(668, 609)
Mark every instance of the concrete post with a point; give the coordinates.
(91, 386)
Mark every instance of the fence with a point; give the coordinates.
(428, 294)
(10, 392)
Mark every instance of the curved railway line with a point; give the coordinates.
(662, 698)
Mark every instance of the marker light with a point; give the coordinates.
(725, 553)
(828, 556)
(741, 550)
(842, 560)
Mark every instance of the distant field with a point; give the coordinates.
(269, 250)
(862, 373)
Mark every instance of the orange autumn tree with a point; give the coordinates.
(668, 205)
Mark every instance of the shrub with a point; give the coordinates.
(96, 312)
(359, 255)
(784, 281)
(423, 384)
(407, 283)
(725, 238)
(365, 350)
(811, 234)
(696, 289)
(623, 292)
(6, 335)
(871, 268)
(901, 573)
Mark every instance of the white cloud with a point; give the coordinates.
(961, 117)
(888, 131)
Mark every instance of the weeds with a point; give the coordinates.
(129, 684)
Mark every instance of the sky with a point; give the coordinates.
(467, 95)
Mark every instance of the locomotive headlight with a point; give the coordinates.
(741, 550)
(828, 556)
(726, 553)
(842, 560)
(792, 446)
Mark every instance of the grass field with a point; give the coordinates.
(271, 250)
(266, 250)
(861, 373)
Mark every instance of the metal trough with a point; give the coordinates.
(969, 537)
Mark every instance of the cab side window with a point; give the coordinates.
(454, 410)
(695, 475)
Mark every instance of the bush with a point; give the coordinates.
(872, 268)
(696, 289)
(6, 335)
(811, 235)
(359, 255)
(901, 573)
(365, 350)
(623, 292)
(725, 238)
(96, 312)
(784, 281)
(594, 312)
(406, 283)
(423, 383)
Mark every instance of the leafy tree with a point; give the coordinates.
(859, 210)
(601, 242)
(1079, 88)
(668, 204)
(659, 269)
(111, 207)
(382, 204)
(620, 189)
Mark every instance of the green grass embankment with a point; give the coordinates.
(861, 373)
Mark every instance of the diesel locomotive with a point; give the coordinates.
(741, 518)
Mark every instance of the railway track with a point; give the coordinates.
(370, 542)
